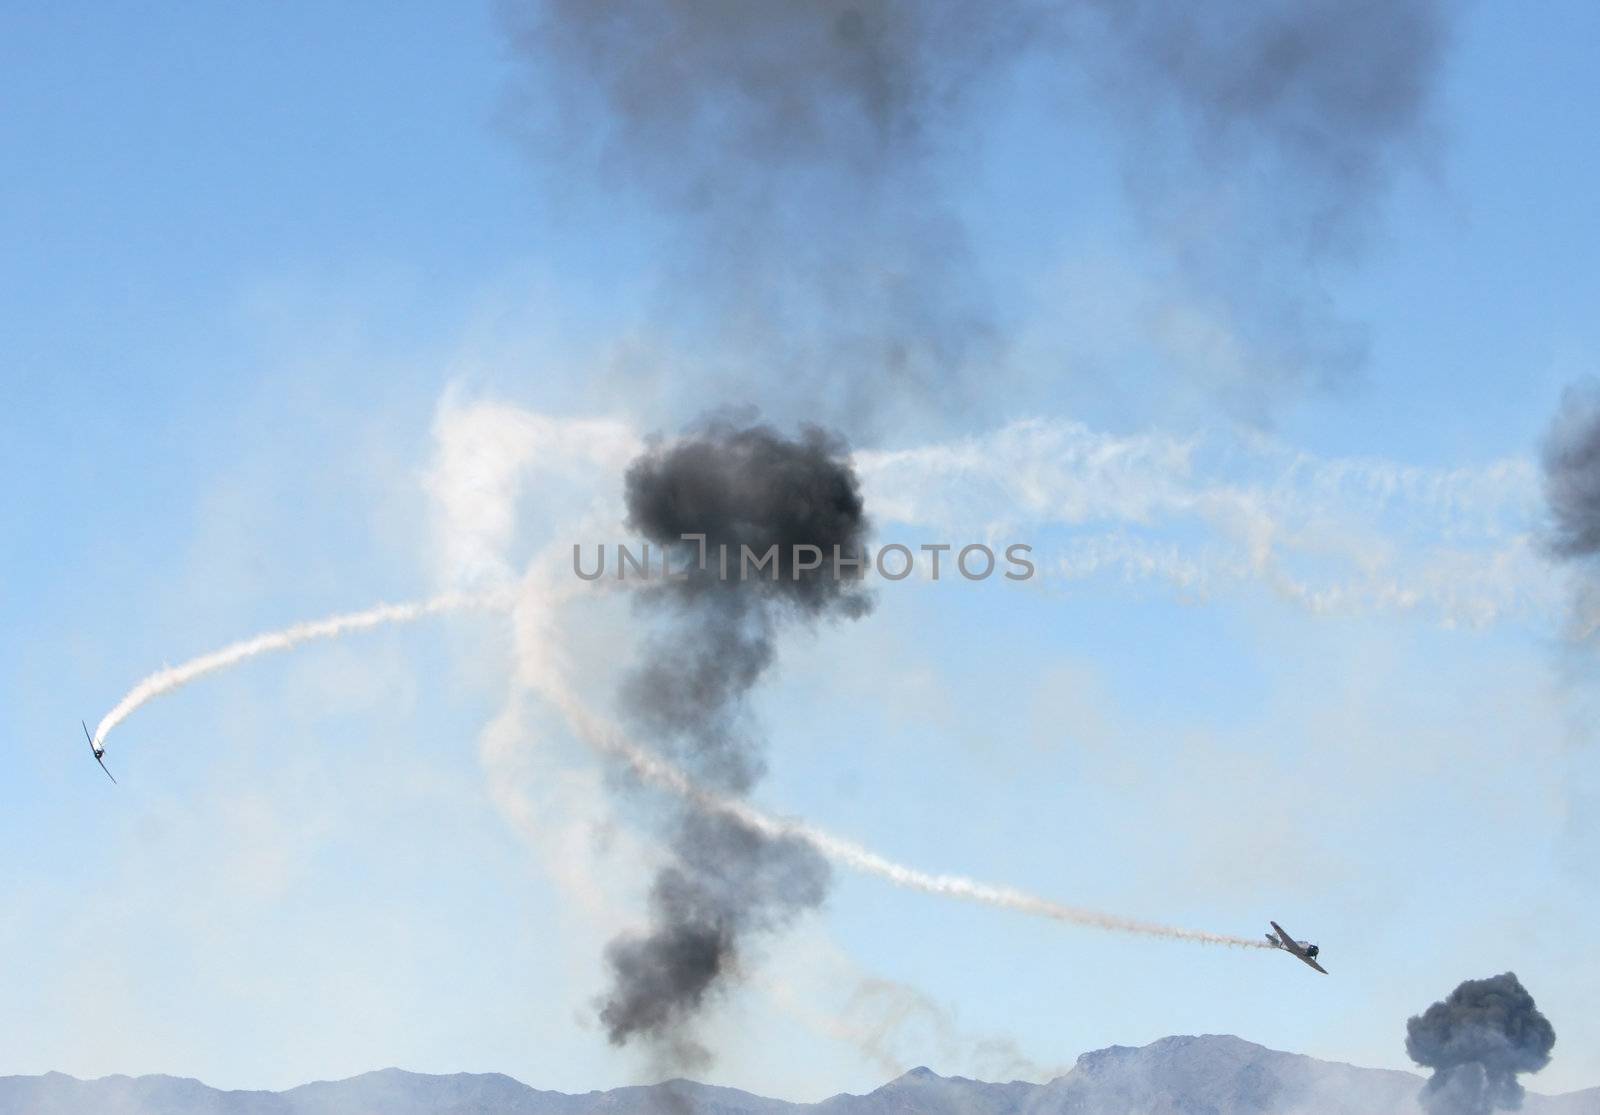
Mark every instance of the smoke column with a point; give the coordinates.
(1477, 1041)
(168, 678)
(1572, 493)
(737, 486)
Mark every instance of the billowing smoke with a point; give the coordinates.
(815, 157)
(790, 143)
(1476, 1041)
(741, 487)
(1572, 535)
(1572, 492)
(1572, 474)
(1260, 138)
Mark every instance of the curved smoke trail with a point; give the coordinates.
(651, 767)
(168, 678)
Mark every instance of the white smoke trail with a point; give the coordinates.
(168, 678)
(1218, 514)
(535, 613)
(653, 768)
(606, 740)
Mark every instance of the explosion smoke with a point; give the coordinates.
(789, 142)
(1572, 474)
(1477, 1041)
(736, 486)
(1572, 493)
(1572, 534)
(812, 156)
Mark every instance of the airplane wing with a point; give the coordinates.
(96, 753)
(1292, 947)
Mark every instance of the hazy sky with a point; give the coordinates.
(300, 308)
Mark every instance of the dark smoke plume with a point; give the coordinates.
(1477, 1041)
(1261, 135)
(813, 157)
(790, 142)
(1329, 86)
(1572, 496)
(739, 485)
(1571, 459)
(1572, 474)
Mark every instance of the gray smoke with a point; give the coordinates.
(740, 486)
(1315, 102)
(713, 103)
(1571, 460)
(813, 154)
(1477, 1041)
(790, 143)
(1572, 474)
(1572, 496)
(1262, 134)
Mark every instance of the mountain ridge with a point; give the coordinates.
(1208, 1074)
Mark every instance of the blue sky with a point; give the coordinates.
(260, 266)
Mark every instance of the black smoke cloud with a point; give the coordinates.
(738, 485)
(813, 157)
(1476, 1041)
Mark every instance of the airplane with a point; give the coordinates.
(1303, 950)
(99, 752)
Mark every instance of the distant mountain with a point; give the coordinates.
(1209, 1075)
